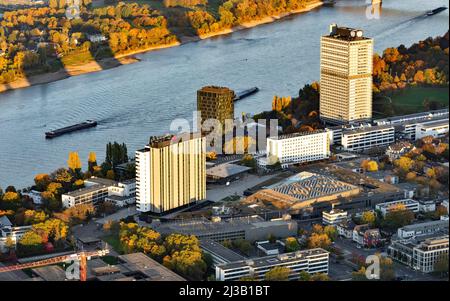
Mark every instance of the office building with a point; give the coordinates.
(311, 261)
(170, 173)
(334, 217)
(408, 204)
(10, 232)
(251, 228)
(98, 190)
(422, 229)
(420, 253)
(216, 103)
(364, 137)
(219, 253)
(299, 147)
(345, 76)
(435, 129)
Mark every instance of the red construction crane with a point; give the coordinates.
(82, 257)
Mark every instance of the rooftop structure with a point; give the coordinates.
(219, 253)
(225, 172)
(422, 229)
(312, 261)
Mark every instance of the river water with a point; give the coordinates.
(135, 101)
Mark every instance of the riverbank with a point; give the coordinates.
(128, 58)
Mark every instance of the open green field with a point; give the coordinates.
(410, 100)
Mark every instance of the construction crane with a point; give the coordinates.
(82, 257)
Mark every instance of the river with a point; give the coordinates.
(135, 101)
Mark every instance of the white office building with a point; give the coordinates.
(299, 147)
(334, 217)
(387, 207)
(312, 261)
(10, 232)
(422, 229)
(364, 137)
(436, 129)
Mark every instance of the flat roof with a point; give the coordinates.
(439, 223)
(421, 115)
(86, 190)
(102, 181)
(435, 123)
(299, 134)
(273, 259)
(139, 262)
(365, 129)
(221, 251)
(50, 273)
(226, 170)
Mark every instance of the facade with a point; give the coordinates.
(216, 103)
(387, 207)
(251, 228)
(436, 129)
(364, 137)
(420, 254)
(406, 124)
(334, 217)
(312, 261)
(398, 149)
(299, 147)
(99, 190)
(422, 229)
(366, 237)
(11, 233)
(170, 173)
(345, 229)
(345, 76)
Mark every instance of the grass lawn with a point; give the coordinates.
(410, 100)
(113, 241)
(77, 58)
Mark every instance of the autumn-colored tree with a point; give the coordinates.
(304, 276)
(74, 162)
(320, 277)
(278, 274)
(319, 241)
(92, 161)
(41, 181)
(331, 232)
(292, 244)
(368, 217)
(110, 174)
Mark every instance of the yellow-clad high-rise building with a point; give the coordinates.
(170, 173)
(345, 76)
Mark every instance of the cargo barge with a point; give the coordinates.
(245, 93)
(436, 11)
(69, 129)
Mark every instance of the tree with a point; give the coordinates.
(278, 274)
(397, 218)
(10, 201)
(30, 243)
(92, 162)
(360, 275)
(319, 241)
(292, 244)
(320, 277)
(110, 174)
(331, 232)
(304, 276)
(368, 217)
(41, 181)
(74, 162)
(242, 245)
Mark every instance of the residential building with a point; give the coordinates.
(216, 103)
(171, 173)
(366, 237)
(420, 253)
(345, 229)
(299, 147)
(364, 137)
(345, 76)
(334, 217)
(312, 261)
(436, 129)
(387, 207)
(422, 229)
(398, 149)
